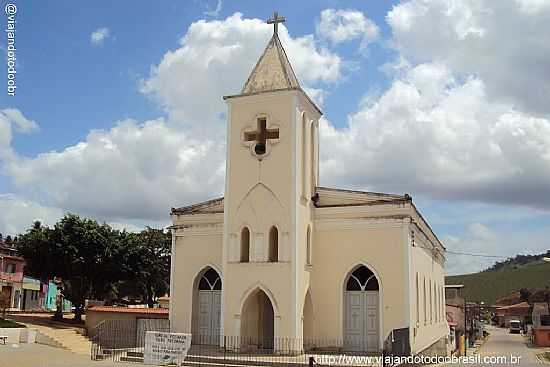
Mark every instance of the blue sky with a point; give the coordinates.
(418, 97)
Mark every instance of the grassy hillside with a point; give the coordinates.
(489, 285)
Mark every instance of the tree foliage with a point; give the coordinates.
(93, 260)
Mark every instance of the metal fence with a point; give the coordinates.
(124, 341)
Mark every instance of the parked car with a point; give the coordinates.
(515, 326)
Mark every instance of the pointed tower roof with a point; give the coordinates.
(272, 71)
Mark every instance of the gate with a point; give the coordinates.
(123, 340)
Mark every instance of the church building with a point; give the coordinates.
(280, 256)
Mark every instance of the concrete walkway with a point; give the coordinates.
(67, 338)
(503, 344)
(57, 334)
(38, 355)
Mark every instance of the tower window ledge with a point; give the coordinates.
(260, 263)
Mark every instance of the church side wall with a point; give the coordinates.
(428, 318)
(337, 250)
(306, 168)
(192, 254)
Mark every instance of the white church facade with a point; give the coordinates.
(279, 256)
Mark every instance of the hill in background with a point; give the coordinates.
(504, 278)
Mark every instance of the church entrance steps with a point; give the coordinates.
(66, 338)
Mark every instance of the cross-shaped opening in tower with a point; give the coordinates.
(275, 21)
(261, 136)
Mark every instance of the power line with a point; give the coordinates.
(476, 255)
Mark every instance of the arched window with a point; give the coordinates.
(362, 279)
(312, 159)
(431, 302)
(308, 246)
(273, 244)
(443, 305)
(437, 308)
(417, 301)
(304, 155)
(210, 281)
(245, 245)
(425, 304)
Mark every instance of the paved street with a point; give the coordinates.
(38, 355)
(502, 343)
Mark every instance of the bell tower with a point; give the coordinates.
(271, 176)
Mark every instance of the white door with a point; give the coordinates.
(371, 321)
(354, 321)
(209, 316)
(361, 321)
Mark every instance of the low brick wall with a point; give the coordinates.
(95, 315)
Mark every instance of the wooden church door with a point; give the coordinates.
(361, 316)
(210, 308)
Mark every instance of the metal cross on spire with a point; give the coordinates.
(275, 21)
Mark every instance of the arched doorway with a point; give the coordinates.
(257, 321)
(307, 322)
(361, 311)
(207, 307)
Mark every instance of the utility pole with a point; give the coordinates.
(465, 323)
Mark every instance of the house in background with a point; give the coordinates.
(164, 301)
(454, 307)
(11, 275)
(541, 324)
(518, 311)
(51, 296)
(33, 295)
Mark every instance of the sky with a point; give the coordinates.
(118, 112)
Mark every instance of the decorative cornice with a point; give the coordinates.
(382, 210)
(360, 223)
(207, 229)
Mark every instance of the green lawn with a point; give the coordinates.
(9, 323)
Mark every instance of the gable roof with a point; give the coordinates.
(332, 197)
(205, 207)
(272, 71)
(328, 197)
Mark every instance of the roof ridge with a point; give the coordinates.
(362, 192)
(280, 76)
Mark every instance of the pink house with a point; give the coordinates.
(11, 276)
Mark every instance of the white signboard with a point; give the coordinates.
(166, 348)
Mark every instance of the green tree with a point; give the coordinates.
(148, 264)
(85, 255)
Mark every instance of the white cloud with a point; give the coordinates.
(132, 171)
(533, 6)
(216, 57)
(480, 239)
(137, 171)
(502, 43)
(339, 26)
(434, 135)
(99, 36)
(216, 11)
(18, 214)
(10, 119)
